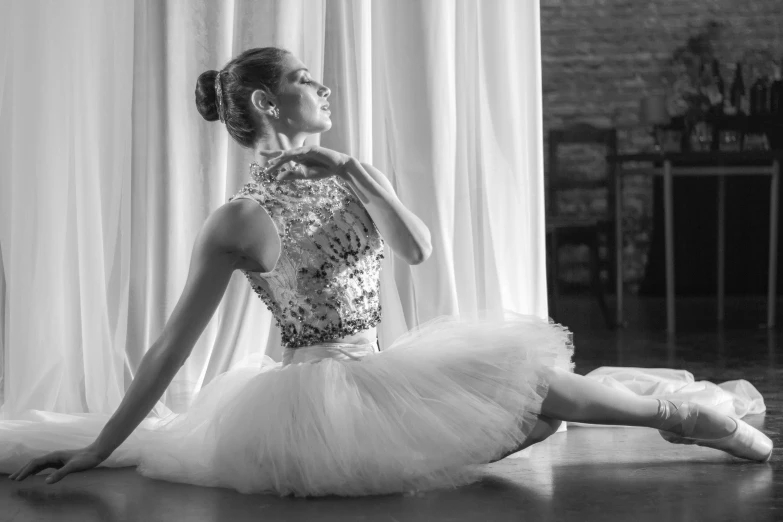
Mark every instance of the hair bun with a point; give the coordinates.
(206, 97)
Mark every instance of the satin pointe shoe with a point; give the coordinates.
(678, 420)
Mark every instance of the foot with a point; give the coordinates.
(690, 423)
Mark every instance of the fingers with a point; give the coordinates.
(299, 172)
(279, 157)
(271, 154)
(24, 472)
(310, 157)
(28, 469)
(276, 163)
(58, 475)
(36, 465)
(296, 171)
(310, 173)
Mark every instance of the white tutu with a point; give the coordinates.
(341, 419)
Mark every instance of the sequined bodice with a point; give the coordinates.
(326, 282)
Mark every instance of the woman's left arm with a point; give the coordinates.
(406, 234)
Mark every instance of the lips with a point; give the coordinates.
(326, 106)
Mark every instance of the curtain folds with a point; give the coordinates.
(107, 172)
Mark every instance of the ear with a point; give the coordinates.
(261, 99)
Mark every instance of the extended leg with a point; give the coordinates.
(579, 399)
(576, 398)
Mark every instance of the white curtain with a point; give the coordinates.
(107, 172)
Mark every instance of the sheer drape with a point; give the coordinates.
(65, 227)
(107, 172)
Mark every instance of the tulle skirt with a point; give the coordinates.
(426, 412)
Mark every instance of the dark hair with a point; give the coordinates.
(259, 68)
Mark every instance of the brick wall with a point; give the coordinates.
(601, 56)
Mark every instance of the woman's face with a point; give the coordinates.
(300, 101)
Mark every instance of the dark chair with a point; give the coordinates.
(579, 229)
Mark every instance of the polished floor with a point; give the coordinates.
(582, 474)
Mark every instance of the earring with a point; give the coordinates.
(276, 113)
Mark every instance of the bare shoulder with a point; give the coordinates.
(235, 224)
(244, 230)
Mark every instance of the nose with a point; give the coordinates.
(325, 92)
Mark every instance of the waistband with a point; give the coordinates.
(339, 351)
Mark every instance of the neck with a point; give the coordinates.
(277, 141)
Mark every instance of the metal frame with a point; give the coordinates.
(668, 171)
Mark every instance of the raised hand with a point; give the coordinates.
(65, 461)
(318, 162)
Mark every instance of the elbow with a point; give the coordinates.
(421, 255)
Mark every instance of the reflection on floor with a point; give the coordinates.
(583, 474)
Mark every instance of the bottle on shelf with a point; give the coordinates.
(759, 96)
(776, 93)
(737, 96)
(704, 79)
(718, 91)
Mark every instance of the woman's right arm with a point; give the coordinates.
(216, 252)
(211, 266)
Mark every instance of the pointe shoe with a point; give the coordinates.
(745, 441)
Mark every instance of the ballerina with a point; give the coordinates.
(338, 416)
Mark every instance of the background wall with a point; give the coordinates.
(601, 56)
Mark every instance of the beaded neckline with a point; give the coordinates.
(261, 176)
(329, 191)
